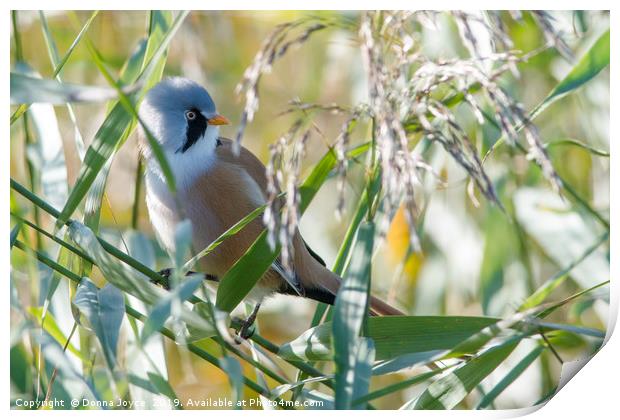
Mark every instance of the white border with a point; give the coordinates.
(593, 391)
(308, 5)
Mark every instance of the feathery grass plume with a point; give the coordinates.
(290, 213)
(493, 18)
(481, 26)
(438, 123)
(407, 100)
(281, 216)
(398, 164)
(273, 48)
(497, 32)
(274, 175)
(482, 73)
(553, 36)
(341, 144)
(340, 147)
(306, 107)
(511, 115)
(390, 56)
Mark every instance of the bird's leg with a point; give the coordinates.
(166, 272)
(246, 329)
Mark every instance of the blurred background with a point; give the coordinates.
(476, 260)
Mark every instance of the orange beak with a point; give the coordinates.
(218, 120)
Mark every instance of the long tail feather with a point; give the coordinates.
(380, 308)
(322, 285)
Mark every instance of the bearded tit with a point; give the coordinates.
(215, 188)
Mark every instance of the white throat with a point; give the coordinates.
(186, 166)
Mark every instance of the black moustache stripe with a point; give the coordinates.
(195, 129)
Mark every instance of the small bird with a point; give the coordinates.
(215, 189)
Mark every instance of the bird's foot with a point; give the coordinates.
(167, 272)
(246, 331)
(247, 326)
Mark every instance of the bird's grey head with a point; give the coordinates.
(179, 113)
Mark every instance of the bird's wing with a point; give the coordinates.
(255, 169)
(292, 279)
(251, 165)
(245, 159)
(311, 277)
(316, 256)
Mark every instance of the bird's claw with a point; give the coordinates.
(247, 329)
(165, 273)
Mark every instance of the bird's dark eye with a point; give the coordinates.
(196, 127)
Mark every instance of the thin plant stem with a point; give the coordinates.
(135, 210)
(48, 394)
